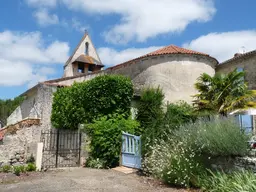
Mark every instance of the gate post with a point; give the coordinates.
(39, 156)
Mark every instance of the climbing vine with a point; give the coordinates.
(86, 101)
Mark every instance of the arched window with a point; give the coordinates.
(86, 48)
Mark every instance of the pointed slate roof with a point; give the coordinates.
(86, 59)
(77, 47)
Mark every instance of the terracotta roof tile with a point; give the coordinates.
(171, 49)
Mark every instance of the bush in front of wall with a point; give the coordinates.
(173, 162)
(86, 101)
(31, 167)
(95, 163)
(179, 158)
(17, 170)
(217, 137)
(22, 168)
(106, 137)
(178, 114)
(6, 168)
(150, 108)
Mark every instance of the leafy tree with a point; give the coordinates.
(178, 114)
(8, 106)
(223, 93)
(86, 101)
(150, 108)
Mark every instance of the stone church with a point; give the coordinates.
(172, 68)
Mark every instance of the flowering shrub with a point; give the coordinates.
(176, 157)
(174, 162)
(218, 137)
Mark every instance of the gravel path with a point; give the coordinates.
(85, 180)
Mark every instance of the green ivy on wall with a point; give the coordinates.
(89, 100)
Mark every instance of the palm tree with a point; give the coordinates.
(223, 93)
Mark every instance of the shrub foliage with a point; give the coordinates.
(176, 159)
(226, 182)
(106, 138)
(86, 101)
(150, 108)
(217, 137)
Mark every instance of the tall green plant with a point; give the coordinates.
(86, 101)
(150, 115)
(106, 137)
(223, 93)
(150, 108)
(217, 137)
(227, 182)
(67, 109)
(178, 159)
(178, 114)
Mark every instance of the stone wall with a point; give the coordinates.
(175, 74)
(28, 108)
(45, 98)
(249, 66)
(19, 141)
(229, 164)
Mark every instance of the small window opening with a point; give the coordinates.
(90, 69)
(81, 68)
(86, 48)
(240, 69)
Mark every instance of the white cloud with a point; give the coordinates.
(47, 71)
(224, 45)
(25, 58)
(143, 19)
(111, 56)
(44, 18)
(78, 26)
(14, 73)
(42, 3)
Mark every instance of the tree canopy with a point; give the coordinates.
(223, 93)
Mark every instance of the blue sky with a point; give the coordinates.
(37, 36)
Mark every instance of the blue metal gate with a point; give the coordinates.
(131, 150)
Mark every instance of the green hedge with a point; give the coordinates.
(106, 138)
(86, 101)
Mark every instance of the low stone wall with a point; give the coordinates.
(19, 141)
(229, 164)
